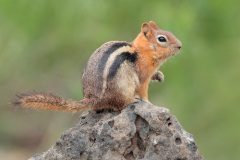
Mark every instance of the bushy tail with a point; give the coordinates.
(48, 101)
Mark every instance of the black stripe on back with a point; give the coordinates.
(106, 55)
(131, 57)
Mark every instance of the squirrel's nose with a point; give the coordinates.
(179, 44)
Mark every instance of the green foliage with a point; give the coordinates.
(44, 45)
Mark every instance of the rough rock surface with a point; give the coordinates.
(139, 132)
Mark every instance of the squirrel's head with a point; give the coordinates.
(163, 43)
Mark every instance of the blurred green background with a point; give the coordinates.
(44, 46)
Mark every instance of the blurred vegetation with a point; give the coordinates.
(44, 46)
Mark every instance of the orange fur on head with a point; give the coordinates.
(153, 25)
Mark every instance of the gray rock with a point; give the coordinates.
(141, 131)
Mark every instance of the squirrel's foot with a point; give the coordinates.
(158, 76)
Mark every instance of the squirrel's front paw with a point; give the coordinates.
(158, 76)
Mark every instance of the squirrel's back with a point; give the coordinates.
(109, 70)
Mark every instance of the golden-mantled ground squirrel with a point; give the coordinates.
(116, 74)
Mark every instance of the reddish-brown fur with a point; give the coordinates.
(147, 65)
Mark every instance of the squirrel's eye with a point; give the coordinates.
(162, 39)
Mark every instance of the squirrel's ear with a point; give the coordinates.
(153, 25)
(145, 28)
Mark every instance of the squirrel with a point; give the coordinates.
(116, 74)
